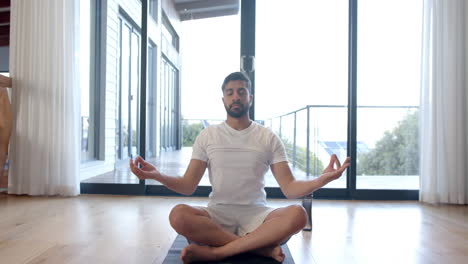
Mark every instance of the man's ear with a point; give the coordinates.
(251, 99)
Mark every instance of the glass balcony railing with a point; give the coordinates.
(387, 143)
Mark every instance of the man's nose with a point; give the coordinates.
(235, 97)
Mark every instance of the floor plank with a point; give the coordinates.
(135, 229)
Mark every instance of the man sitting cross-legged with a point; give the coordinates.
(238, 154)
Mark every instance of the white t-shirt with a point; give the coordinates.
(238, 161)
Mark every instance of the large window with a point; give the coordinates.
(330, 77)
(169, 89)
(151, 128)
(87, 80)
(302, 69)
(388, 81)
(169, 106)
(153, 9)
(128, 116)
(169, 37)
(210, 51)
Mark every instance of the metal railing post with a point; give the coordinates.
(294, 141)
(308, 142)
(307, 200)
(280, 127)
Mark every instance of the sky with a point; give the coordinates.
(302, 59)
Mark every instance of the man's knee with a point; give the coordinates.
(179, 217)
(298, 217)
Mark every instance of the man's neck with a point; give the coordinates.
(240, 123)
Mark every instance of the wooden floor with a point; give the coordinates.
(135, 229)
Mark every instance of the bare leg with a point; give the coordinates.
(3, 158)
(4, 140)
(278, 227)
(275, 252)
(6, 122)
(195, 224)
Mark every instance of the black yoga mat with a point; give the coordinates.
(173, 256)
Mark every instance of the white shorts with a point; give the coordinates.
(238, 219)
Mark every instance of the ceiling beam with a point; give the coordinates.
(202, 4)
(207, 14)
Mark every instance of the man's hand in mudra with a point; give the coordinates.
(146, 171)
(335, 169)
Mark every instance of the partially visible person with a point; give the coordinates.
(6, 122)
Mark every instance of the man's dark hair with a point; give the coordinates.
(237, 76)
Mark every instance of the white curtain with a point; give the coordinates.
(45, 98)
(444, 112)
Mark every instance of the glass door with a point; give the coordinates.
(301, 82)
(151, 126)
(388, 83)
(169, 106)
(214, 44)
(304, 70)
(88, 90)
(128, 103)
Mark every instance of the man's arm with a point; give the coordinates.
(293, 188)
(184, 185)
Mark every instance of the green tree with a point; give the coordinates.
(315, 164)
(190, 133)
(396, 153)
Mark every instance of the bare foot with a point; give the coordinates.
(272, 252)
(195, 252)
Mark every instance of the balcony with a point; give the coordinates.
(310, 135)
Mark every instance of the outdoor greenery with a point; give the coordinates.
(396, 153)
(315, 164)
(190, 132)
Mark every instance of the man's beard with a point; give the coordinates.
(236, 114)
